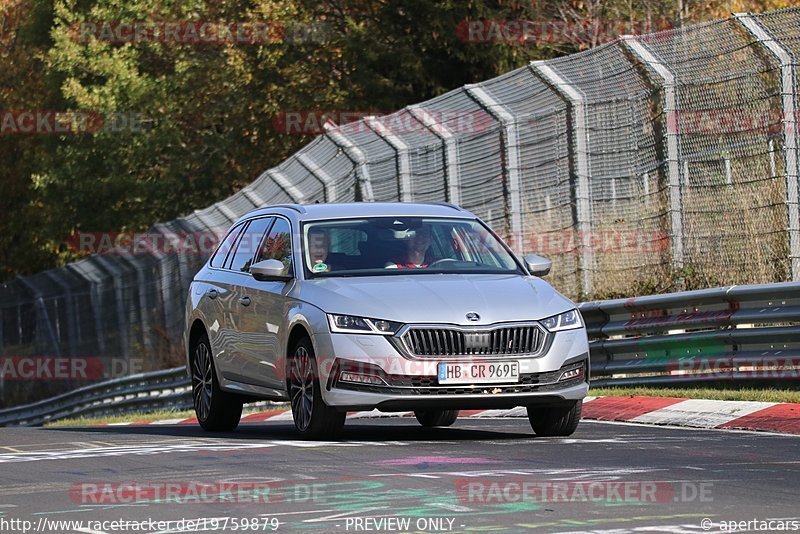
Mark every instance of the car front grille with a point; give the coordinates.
(516, 340)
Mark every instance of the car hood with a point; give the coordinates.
(436, 298)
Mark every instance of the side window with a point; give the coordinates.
(278, 245)
(218, 259)
(247, 245)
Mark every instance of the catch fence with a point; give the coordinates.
(643, 160)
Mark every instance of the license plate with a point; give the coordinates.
(478, 373)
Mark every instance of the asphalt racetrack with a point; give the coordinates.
(391, 475)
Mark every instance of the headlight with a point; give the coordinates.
(351, 324)
(563, 321)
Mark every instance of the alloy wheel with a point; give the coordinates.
(202, 381)
(302, 388)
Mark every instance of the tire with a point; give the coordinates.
(313, 419)
(216, 410)
(431, 418)
(552, 421)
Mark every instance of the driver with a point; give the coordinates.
(416, 250)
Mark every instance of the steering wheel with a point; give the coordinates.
(441, 261)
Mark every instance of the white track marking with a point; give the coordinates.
(376, 414)
(149, 450)
(334, 517)
(701, 413)
(300, 512)
(168, 421)
(514, 412)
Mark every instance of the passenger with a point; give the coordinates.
(416, 250)
(318, 249)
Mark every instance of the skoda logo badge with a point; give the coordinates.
(472, 316)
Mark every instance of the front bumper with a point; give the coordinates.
(412, 384)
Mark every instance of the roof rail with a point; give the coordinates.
(296, 207)
(446, 205)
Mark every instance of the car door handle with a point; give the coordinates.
(211, 293)
(244, 301)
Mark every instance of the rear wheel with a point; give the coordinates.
(561, 420)
(429, 418)
(312, 417)
(216, 410)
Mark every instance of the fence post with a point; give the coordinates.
(403, 159)
(286, 185)
(317, 172)
(79, 268)
(42, 317)
(171, 297)
(72, 327)
(145, 328)
(583, 208)
(106, 265)
(451, 170)
(250, 194)
(672, 126)
(512, 164)
(227, 212)
(789, 122)
(356, 155)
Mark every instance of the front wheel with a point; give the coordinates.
(552, 421)
(312, 417)
(431, 418)
(216, 410)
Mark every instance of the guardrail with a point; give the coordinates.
(739, 334)
(159, 390)
(743, 334)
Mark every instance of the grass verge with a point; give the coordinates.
(149, 416)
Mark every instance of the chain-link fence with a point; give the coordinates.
(647, 159)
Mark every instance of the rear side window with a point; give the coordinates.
(247, 244)
(218, 259)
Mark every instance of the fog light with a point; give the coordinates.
(572, 373)
(361, 379)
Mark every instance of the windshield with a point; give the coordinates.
(402, 245)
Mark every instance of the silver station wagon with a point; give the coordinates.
(390, 306)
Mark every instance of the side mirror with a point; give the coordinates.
(537, 265)
(269, 271)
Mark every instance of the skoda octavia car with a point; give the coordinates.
(388, 306)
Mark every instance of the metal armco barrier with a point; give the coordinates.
(726, 334)
(730, 334)
(159, 390)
